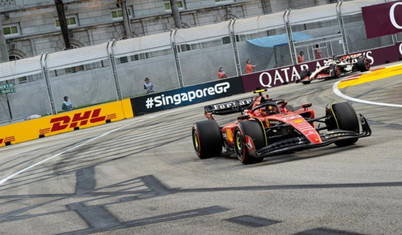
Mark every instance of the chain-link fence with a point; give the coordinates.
(262, 41)
(182, 57)
(145, 57)
(202, 51)
(7, 3)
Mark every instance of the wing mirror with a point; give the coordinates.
(305, 106)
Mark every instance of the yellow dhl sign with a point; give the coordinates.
(65, 122)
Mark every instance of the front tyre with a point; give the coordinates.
(207, 139)
(335, 71)
(343, 116)
(253, 130)
(363, 64)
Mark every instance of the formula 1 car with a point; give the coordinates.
(336, 67)
(267, 127)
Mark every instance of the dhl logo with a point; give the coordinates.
(7, 140)
(79, 119)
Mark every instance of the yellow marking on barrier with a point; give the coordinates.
(65, 122)
(373, 76)
(127, 108)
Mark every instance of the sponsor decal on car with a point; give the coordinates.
(298, 120)
(232, 104)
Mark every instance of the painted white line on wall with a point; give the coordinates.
(340, 94)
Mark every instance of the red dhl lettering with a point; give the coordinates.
(79, 119)
(7, 139)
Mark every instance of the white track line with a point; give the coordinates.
(65, 151)
(86, 142)
(340, 94)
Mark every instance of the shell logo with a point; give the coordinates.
(229, 135)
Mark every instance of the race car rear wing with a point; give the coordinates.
(229, 107)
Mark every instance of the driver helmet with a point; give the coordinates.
(268, 110)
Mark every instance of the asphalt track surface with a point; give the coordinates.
(141, 176)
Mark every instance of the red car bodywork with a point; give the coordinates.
(267, 127)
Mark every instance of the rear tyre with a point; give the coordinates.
(343, 116)
(335, 71)
(304, 74)
(254, 131)
(207, 139)
(363, 64)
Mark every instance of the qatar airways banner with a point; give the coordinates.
(289, 74)
(400, 50)
(278, 76)
(383, 19)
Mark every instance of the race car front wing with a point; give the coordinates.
(301, 143)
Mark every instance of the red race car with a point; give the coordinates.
(336, 67)
(268, 126)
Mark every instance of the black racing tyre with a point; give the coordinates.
(252, 129)
(304, 73)
(363, 64)
(336, 71)
(207, 139)
(343, 116)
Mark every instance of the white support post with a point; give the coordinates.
(289, 35)
(110, 52)
(341, 25)
(232, 36)
(45, 74)
(176, 57)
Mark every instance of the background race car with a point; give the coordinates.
(336, 67)
(270, 126)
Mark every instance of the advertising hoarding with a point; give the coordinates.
(186, 96)
(383, 19)
(65, 122)
(289, 74)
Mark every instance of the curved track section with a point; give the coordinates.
(141, 176)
